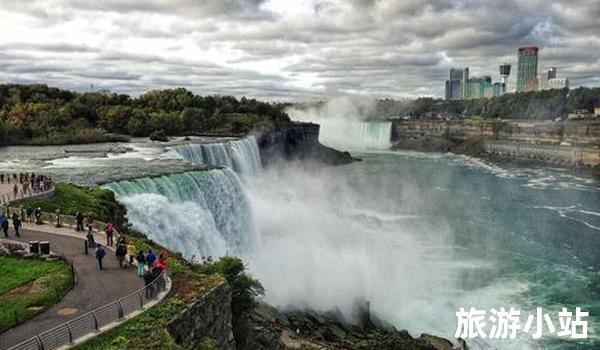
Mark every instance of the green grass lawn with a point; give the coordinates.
(29, 287)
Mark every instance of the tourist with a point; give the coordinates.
(4, 224)
(90, 223)
(29, 212)
(131, 252)
(109, 233)
(16, 224)
(38, 216)
(100, 253)
(141, 261)
(79, 220)
(120, 253)
(90, 239)
(150, 258)
(148, 278)
(15, 190)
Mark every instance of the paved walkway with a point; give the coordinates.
(93, 289)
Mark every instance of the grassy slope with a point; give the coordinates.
(71, 199)
(51, 281)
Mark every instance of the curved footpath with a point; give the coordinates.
(93, 289)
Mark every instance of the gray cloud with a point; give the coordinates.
(291, 50)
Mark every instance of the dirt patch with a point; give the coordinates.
(67, 311)
(20, 290)
(36, 308)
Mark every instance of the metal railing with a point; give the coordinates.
(93, 321)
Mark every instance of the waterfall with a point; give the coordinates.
(197, 213)
(354, 135)
(241, 155)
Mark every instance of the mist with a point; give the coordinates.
(332, 241)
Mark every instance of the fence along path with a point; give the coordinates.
(93, 289)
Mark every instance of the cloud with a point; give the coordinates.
(282, 50)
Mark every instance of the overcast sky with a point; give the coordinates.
(289, 49)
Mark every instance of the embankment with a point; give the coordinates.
(572, 144)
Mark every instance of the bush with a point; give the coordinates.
(159, 135)
(245, 289)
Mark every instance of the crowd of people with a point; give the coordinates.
(149, 265)
(24, 184)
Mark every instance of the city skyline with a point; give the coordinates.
(281, 50)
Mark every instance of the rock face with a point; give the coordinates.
(266, 328)
(208, 317)
(271, 329)
(299, 141)
(564, 144)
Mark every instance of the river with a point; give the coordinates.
(418, 235)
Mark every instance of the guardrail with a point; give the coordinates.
(94, 321)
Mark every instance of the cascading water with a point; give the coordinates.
(198, 213)
(241, 155)
(350, 135)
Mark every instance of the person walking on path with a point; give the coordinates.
(16, 224)
(3, 224)
(120, 253)
(150, 259)
(100, 253)
(109, 229)
(141, 261)
(131, 252)
(15, 190)
(91, 241)
(29, 212)
(79, 220)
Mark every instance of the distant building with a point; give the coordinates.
(454, 86)
(504, 73)
(558, 83)
(527, 79)
(549, 81)
(597, 112)
(480, 87)
(465, 80)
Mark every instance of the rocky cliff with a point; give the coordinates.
(564, 143)
(298, 141)
(209, 321)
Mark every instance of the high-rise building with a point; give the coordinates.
(477, 86)
(465, 86)
(527, 79)
(454, 86)
(551, 73)
(504, 73)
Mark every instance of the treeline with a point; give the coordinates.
(38, 114)
(547, 104)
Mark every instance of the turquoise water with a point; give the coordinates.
(528, 237)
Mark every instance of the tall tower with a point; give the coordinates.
(465, 83)
(527, 68)
(551, 73)
(504, 73)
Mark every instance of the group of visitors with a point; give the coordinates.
(149, 266)
(17, 224)
(26, 184)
